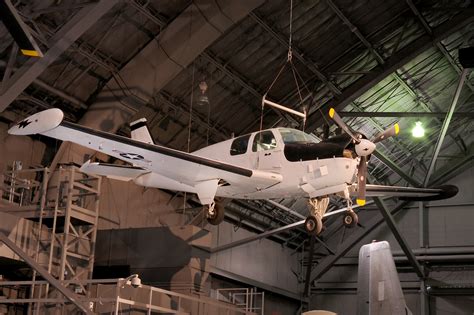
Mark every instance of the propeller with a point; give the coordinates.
(363, 148)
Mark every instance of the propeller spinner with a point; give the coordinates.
(363, 148)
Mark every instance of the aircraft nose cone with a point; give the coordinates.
(365, 147)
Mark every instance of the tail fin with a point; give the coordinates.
(140, 131)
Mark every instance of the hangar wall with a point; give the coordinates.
(24, 149)
(449, 228)
(264, 260)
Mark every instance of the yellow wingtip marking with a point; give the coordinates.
(31, 53)
(397, 128)
(360, 202)
(331, 112)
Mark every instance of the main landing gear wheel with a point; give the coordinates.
(350, 219)
(313, 225)
(215, 213)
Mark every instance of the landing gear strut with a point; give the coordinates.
(350, 218)
(215, 213)
(317, 208)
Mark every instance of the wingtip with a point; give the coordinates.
(38, 123)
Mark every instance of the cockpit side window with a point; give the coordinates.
(264, 140)
(239, 145)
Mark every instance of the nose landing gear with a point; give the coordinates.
(350, 218)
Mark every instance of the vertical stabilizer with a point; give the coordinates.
(140, 131)
(379, 290)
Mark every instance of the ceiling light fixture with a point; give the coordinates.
(203, 99)
(418, 131)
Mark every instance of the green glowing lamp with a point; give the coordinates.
(418, 131)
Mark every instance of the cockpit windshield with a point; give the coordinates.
(296, 136)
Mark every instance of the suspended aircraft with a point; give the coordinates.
(268, 164)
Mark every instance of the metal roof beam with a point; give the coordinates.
(439, 45)
(453, 171)
(394, 167)
(394, 62)
(356, 31)
(445, 126)
(61, 41)
(296, 53)
(399, 237)
(244, 82)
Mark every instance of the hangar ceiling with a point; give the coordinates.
(372, 60)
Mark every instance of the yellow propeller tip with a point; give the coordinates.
(31, 53)
(397, 128)
(331, 112)
(360, 202)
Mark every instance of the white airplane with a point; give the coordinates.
(272, 163)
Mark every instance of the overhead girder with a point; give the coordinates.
(157, 63)
(444, 128)
(60, 42)
(395, 61)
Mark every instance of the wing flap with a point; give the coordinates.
(113, 171)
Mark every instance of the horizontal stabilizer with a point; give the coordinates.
(114, 171)
(38, 123)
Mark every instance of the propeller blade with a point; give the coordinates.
(361, 180)
(390, 132)
(338, 120)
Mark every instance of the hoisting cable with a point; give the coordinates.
(295, 75)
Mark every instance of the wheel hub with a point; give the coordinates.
(348, 219)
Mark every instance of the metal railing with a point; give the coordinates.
(116, 296)
(248, 299)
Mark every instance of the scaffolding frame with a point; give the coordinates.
(65, 204)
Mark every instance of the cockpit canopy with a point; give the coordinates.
(296, 136)
(298, 145)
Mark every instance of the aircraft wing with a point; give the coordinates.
(412, 193)
(186, 168)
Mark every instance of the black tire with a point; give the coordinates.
(350, 219)
(313, 225)
(218, 216)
